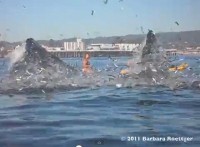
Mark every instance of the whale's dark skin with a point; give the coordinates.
(150, 44)
(38, 69)
(37, 56)
(196, 85)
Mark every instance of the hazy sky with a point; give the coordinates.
(57, 19)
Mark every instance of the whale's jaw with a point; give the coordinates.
(36, 57)
(38, 69)
(150, 44)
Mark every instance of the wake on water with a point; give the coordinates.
(33, 69)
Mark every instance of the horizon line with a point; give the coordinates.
(101, 36)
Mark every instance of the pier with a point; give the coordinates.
(107, 53)
(102, 53)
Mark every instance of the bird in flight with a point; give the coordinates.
(176, 23)
(92, 13)
(105, 2)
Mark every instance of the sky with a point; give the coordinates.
(58, 19)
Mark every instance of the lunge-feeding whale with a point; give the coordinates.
(38, 69)
(36, 58)
(150, 45)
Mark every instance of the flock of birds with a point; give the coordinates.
(93, 12)
(141, 28)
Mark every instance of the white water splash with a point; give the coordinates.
(16, 55)
(151, 70)
(134, 63)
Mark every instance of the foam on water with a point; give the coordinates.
(151, 70)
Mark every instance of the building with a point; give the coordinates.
(198, 48)
(53, 49)
(171, 52)
(127, 46)
(71, 46)
(119, 46)
(101, 46)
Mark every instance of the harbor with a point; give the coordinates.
(108, 53)
(77, 48)
(100, 73)
(117, 53)
(74, 54)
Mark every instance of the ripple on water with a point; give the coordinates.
(85, 116)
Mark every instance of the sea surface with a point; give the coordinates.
(101, 117)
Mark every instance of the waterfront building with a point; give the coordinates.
(102, 47)
(127, 46)
(72, 46)
(119, 46)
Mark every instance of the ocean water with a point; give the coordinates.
(101, 117)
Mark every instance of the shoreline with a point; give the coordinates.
(111, 53)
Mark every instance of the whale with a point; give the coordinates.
(149, 67)
(36, 58)
(150, 46)
(153, 69)
(38, 69)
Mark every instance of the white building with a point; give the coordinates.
(127, 46)
(78, 45)
(53, 49)
(119, 46)
(102, 46)
(198, 48)
(94, 47)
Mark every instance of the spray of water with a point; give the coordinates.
(16, 55)
(149, 70)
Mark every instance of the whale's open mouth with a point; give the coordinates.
(38, 71)
(36, 55)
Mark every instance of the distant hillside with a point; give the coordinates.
(8, 45)
(167, 40)
(117, 39)
(192, 37)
